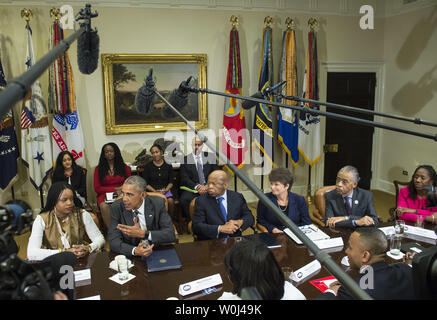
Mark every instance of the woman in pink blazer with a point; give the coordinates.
(412, 200)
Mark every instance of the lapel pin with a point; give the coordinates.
(356, 201)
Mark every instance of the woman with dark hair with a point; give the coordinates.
(291, 204)
(159, 176)
(68, 171)
(62, 226)
(109, 176)
(412, 200)
(250, 263)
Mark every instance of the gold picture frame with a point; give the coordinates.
(124, 74)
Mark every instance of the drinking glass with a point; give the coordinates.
(123, 272)
(288, 271)
(399, 227)
(395, 244)
(419, 220)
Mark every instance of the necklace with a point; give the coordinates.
(285, 209)
(62, 220)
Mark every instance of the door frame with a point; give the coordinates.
(379, 69)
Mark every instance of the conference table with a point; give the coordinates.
(201, 259)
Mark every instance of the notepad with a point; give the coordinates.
(161, 260)
(310, 230)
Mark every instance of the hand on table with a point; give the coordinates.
(143, 252)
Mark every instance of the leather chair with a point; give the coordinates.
(190, 223)
(392, 211)
(157, 194)
(318, 215)
(260, 228)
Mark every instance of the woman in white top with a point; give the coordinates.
(250, 263)
(63, 227)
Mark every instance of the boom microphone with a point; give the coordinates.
(145, 97)
(247, 104)
(88, 42)
(178, 98)
(88, 51)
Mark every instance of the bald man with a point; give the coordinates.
(220, 213)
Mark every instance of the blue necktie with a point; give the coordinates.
(347, 206)
(222, 208)
(200, 170)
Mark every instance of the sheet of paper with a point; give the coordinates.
(97, 297)
(82, 275)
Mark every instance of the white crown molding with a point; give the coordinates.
(323, 7)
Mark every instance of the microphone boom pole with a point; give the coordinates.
(323, 257)
(18, 87)
(319, 112)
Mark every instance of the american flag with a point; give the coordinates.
(27, 118)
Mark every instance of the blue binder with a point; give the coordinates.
(161, 260)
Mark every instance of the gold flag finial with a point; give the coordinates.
(313, 23)
(26, 14)
(234, 21)
(268, 21)
(290, 23)
(55, 12)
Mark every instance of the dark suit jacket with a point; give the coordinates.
(208, 216)
(362, 205)
(188, 170)
(158, 222)
(78, 181)
(391, 282)
(297, 211)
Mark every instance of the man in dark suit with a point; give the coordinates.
(193, 174)
(138, 220)
(349, 206)
(220, 213)
(381, 281)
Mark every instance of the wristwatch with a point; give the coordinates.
(146, 235)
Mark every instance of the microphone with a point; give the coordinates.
(178, 98)
(88, 42)
(88, 51)
(144, 99)
(247, 104)
(269, 90)
(261, 95)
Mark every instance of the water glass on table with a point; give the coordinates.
(399, 227)
(419, 220)
(395, 244)
(123, 271)
(288, 271)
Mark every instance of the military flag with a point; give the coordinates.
(262, 123)
(8, 143)
(66, 129)
(309, 123)
(288, 119)
(36, 151)
(234, 138)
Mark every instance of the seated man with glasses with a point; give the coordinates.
(349, 205)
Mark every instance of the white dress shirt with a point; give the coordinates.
(142, 222)
(34, 250)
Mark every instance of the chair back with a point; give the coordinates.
(392, 211)
(190, 223)
(318, 214)
(157, 194)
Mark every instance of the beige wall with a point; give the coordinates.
(137, 30)
(410, 46)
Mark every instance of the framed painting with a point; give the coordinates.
(124, 74)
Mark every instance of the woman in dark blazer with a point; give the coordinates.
(291, 204)
(68, 171)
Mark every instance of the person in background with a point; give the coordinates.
(159, 176)
(291, 204)
(348, 205)
(109, 176)
(412, 200)
(62, 226)
(194, 171)
(67, 170)
(249, 263)
(367, 248)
